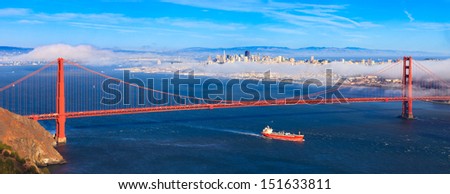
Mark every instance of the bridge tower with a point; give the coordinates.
(60, 135)
(407, 88)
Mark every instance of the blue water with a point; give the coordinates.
(353, 138)
(340, 138)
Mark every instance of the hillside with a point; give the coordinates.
(25, 142)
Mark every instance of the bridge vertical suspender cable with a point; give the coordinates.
(17, 93)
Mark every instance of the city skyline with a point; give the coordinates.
(420, 26)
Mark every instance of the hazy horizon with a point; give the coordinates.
(150, 48)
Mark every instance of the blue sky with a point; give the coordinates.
(381, 24)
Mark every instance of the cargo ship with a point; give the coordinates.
(269, 133)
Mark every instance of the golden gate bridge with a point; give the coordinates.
(42, 94)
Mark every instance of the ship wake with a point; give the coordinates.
(229, 131)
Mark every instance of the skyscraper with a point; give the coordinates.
(247, 54)
(224, 57)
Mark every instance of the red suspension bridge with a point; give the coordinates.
(42, 94)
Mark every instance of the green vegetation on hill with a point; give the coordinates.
(11, 163)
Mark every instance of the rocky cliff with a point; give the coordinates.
(28, 139)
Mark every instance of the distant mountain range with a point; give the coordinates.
(202, 53)
(9, 51)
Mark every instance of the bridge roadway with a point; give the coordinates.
(227, 105)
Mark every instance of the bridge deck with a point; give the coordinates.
(230, 105)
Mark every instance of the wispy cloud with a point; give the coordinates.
(429, 26)
(30, 22)
(410, 17)
(199, 24)
(286, 18)
(299, 14)
(102, 26)
(284, 30)
(114, 22)
(7, 12)
(250, 5)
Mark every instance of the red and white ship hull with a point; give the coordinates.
(290, 137)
